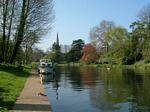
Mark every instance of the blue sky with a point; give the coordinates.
(75, 18)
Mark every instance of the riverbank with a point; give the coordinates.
(139, 65)
(11, 84)
(32, 97)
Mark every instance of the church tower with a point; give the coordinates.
(57, 40)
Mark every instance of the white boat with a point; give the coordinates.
(45, 67)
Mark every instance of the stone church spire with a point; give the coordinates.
(57, 40)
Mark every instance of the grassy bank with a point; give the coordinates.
(139, 65)
(12, 80)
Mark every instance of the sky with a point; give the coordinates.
(75, 18)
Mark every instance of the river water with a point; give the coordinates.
(89, 89)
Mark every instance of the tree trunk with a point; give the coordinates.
(20, 30)
(5, 5)
(9, 33)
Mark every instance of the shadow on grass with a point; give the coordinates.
(1, 92)
(6, 104)
(32, 107)
(15, 70)
(23, 107)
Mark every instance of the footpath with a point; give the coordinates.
(32, 97)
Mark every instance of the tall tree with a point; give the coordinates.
(138, 36)
(119, 40)
(144, 14)
(97, 34)
(75, 53)
(89, 54)
(56, 49)
(20, 30)
(20, 18)
(144, 18)
(4, 15)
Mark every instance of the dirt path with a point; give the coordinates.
(31, 98)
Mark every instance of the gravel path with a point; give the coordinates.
(32, 98)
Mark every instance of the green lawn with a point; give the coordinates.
(12, 81)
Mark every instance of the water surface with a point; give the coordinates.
(89, 89)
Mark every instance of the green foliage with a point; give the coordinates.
(23, 27)
(19, 57)
(97, 34)
(125, 48)
(50, 55)
(34, 65)
(75, 53)
(55, 55)
(139, 39)
(116, 46)
(118, 39)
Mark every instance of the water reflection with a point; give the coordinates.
(79, 89)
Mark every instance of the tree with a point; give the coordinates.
(28, 45)
(144, 18)
(20, 18)
(144, 14)
(75, 53)
(56, 49)
(37, 54)
(111, 41)
(20, 29)
(97, 34)
(30, 17)
(49, 55)
(140, 38)
(56, 52)
(89, 53)
(117, 38)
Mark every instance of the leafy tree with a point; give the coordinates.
(56, 49)
(20, 57)
(75, 53)
(140, 38)
(144, 18)
(49, 55)
(37, 54)
(118, 38)
(144, 14)
(20, 18)
(137, 41)
(89, 54)
(97, 34)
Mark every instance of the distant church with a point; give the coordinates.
(63, 48)
(57, 40)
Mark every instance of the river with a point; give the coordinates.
(91, 89)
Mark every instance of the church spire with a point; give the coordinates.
(57, 40)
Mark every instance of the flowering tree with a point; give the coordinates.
(89, 54)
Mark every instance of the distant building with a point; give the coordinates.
(65, 48)
(56, 46)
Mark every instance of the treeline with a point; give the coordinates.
(116, 45)
(111, 44)
(73, 55)
(22, 25)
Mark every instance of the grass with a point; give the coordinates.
(12, 80)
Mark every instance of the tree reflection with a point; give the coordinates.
(121, 88)
(75, 78)
(88, 76)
